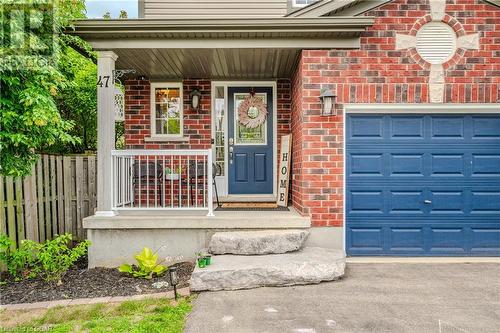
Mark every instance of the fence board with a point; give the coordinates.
(53, 194)
(92, 172)
(60, 195)
(54, 199)
(68, 220)
(19, 209)
(39, 191)
(30, 202)
(3, 220)
(11, 216)
(46, 192)
(79, 199)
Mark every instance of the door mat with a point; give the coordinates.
(250, 206)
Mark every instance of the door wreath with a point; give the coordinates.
(252, 112)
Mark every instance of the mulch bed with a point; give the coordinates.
(81, 282)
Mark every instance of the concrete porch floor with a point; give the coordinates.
(116, 239)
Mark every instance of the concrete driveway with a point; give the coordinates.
(371, 298)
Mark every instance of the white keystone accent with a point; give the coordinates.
(469, 42)
(436, 92)
(438, 9)
(437, 74)
(405, 41)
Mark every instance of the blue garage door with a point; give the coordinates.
(423, 185)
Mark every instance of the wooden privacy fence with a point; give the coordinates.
(60, 192)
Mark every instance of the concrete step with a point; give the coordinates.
(257, 242)
(311, 265)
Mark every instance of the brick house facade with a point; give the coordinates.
(405, 165)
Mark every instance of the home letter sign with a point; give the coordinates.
(284, 170)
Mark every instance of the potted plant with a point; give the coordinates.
(173, 174)
(201, 260)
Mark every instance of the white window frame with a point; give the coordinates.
(154, 86)
(295, 4)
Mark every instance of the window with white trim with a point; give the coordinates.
(302, 3)
(166, 109)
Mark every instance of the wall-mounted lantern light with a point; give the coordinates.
(195, 96)
(327, 99)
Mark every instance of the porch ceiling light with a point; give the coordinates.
(195, 96)
(327, 99)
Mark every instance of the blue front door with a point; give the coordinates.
(423, 185)
(250, 146)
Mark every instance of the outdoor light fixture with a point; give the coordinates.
(327, 99)
(195, 96)
(174, 279)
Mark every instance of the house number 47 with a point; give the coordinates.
(103, 81)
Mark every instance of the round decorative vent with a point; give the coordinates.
(436, 42)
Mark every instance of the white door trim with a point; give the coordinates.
(456, 108)
(226, 84)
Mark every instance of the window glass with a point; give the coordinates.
(243, 134)
(302, 3)
(168, 110)
(220, 113)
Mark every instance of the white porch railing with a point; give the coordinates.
(162, 180)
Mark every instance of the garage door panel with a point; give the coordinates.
(447, 127)
(407, 127)
(429, 185)
(485, 127)
(407, 239)
(486, 165)
(485, 239)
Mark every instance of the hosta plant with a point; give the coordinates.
(147, 265)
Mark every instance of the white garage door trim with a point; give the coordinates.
(457, 108)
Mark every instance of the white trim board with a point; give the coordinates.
(226, 84)
(423, 108)
(389, 108)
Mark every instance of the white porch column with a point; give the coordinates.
(105, 131)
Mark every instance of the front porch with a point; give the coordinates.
(184, 136)
(115, 239)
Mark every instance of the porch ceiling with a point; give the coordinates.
(209, 63)
(218, 48)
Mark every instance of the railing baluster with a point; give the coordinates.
(180, 181)
(123, 184)
(210, 180)
(163, 204)
(171, 181)
(204, 181)
(140, 180)
(147, 181)
(155, 184)
(196, 182)
(188, 187)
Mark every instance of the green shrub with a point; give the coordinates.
(20, 262)
(49, 260)
(147, 265)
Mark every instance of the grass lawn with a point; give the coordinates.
(151, 315)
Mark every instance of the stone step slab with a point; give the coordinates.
(257, 242)
(311, 265)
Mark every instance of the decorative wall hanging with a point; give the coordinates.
(252, 112)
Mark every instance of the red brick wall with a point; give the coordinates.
(378, 73)
(197, 123)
